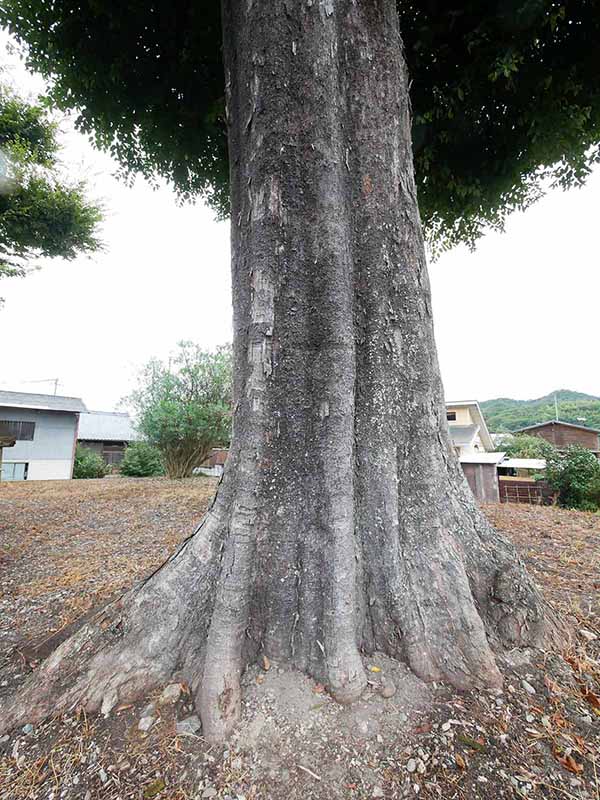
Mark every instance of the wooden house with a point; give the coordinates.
(565, 434)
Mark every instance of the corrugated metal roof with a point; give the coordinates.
(45, 402)
(107, 426)
(483, 458)
(524, 463)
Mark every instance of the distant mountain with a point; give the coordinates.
(504, 414)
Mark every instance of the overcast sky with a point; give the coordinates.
(517, 318)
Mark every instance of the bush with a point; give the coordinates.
(575, 475)
(141, 460)
(593, 495)
(88, 464)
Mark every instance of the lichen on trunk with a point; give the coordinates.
(343, 524)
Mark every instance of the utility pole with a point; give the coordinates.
(555, 407)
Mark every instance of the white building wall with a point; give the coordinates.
(50, 453)
(49, 470)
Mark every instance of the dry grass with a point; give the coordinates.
(66, 546)
(562, 551)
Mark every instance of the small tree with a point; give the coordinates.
(141, 460)
(88, 464)
(575, 475)
(525, 446)
(184, 407)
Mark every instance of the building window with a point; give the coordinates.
(451, 416)
(14, 471)
(21, 431)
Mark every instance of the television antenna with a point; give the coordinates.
(55, 381)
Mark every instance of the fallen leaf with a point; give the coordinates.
(425, 728)
(318, 688)
(569, 763)
(266, 664)
(552, 686)
(460, 761)
(154, 788)
(474, 744)
(558, 721)
(592, 698)
(373, 668)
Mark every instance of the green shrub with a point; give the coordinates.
(525, 446)
(593, 494)
(88, 464)
(141, 460)
(575, 475)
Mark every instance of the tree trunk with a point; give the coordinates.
(343, 523)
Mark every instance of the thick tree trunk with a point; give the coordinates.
(343, 523)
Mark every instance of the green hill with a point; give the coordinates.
(504, 414)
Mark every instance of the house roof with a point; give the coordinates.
(106, 426)
(524, 463)
(477, 416)
(463, 434)
(483, 458)
(557, 422)
(42, 402)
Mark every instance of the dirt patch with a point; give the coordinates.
(65, 547)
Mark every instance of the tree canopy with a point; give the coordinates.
(505, 95)
(42, 213)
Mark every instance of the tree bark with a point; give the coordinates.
(343, 523)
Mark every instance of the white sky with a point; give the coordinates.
(517, 318)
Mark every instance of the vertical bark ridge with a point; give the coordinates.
(334, 373)
(220, 693)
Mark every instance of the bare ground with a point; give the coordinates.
(67, 547)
